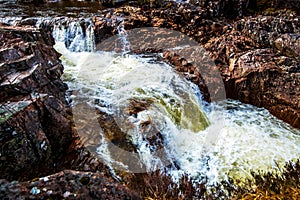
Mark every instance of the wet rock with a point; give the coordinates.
(289, 45)
(37, 136)
(264, 77)
(29, 65)
(29, 145)
(264, 30)
(257, 59)
(32, 109)
(67, 184)
(36, 132)
(189, 71)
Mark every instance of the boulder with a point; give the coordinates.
(267, 79)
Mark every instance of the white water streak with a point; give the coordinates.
(78, 36)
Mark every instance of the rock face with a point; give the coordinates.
(33, 111)
(259, 60)
(36, 134)
(67, 184)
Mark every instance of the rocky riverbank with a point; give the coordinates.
(258, 57)
(36, 134)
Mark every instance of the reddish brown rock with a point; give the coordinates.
(33, 113)
(266, 79)
(265, 29)
(257, 73)
(36, 135)
(289, 45)
(67, 184)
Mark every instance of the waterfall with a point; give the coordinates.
(152, 118)
(10, 20)
(77, 34)
(122, 42)
(171, 126)
(120, 85)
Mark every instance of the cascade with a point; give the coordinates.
(77, 34)
(168, 124)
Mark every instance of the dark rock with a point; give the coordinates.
(67, 184)
(264, 30)
(33, 113)
(266, 79)
(240, 8)
(29, 145)
(289, 45)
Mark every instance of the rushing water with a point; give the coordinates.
(78, 35)
(211, 142)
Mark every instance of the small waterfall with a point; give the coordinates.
(77, 34)
(165, 120)
(10, 20)
(122, 44)
(172, 120)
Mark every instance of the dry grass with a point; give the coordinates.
(159, 186)
(283, 186)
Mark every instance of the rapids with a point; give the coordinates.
(210, 142)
